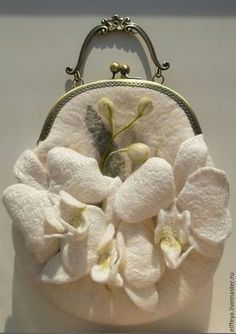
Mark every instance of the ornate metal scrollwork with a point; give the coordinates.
(116, 23)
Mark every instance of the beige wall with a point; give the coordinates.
(37, 41)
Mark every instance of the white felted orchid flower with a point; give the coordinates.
(123, 257)
(32, 203)
(172, 234)
(110, 256)
(199, 218)
(127, 258)
(26, 206)
(84, 227)
(193, 199)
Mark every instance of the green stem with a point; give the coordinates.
(128, 125)
(114, 152)
(107, 150)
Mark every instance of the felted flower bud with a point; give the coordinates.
(138, 152)
(145, 106)
(106, 108)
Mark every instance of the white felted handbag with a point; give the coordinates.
(119, 215)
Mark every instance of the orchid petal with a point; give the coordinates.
(108, 276)
(73, 215)
(205, 195)
(111, 253)
(79, 255)
(107, 237)
(26, 206)
(172, 254)
(172, 235)
(191, 156)
(52, 215)
(206, 247)
(146, 191)
(29, 170)
(143, 263)
(111, 216)
(78, 175)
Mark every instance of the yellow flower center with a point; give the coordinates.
(77, 218)
(171, 238)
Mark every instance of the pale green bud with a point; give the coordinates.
(138, 152)
(145, 106)
(106, 108)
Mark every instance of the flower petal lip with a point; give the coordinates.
(192, 155)
(146, 191)
(110, 255)
(73, 215)
(29, 170)
(107, 237)
(80, 255)
(78, 175)
(205, 195)
(26, 206)
(172, 235)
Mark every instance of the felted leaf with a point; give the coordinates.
(115, 165)
(100, 133)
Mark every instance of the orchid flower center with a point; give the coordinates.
(171, 237)
(105, 254)
(110, 254)
(77, 218)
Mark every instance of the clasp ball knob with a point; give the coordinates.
(124, 69)
(115, 67)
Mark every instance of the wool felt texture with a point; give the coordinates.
(162, 131)
(175, 289)
(105, 248)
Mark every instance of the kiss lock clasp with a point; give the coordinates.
(123, 69)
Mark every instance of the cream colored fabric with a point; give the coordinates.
(114, 251)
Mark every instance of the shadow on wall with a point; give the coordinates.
(122, 7)
(31, 312)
